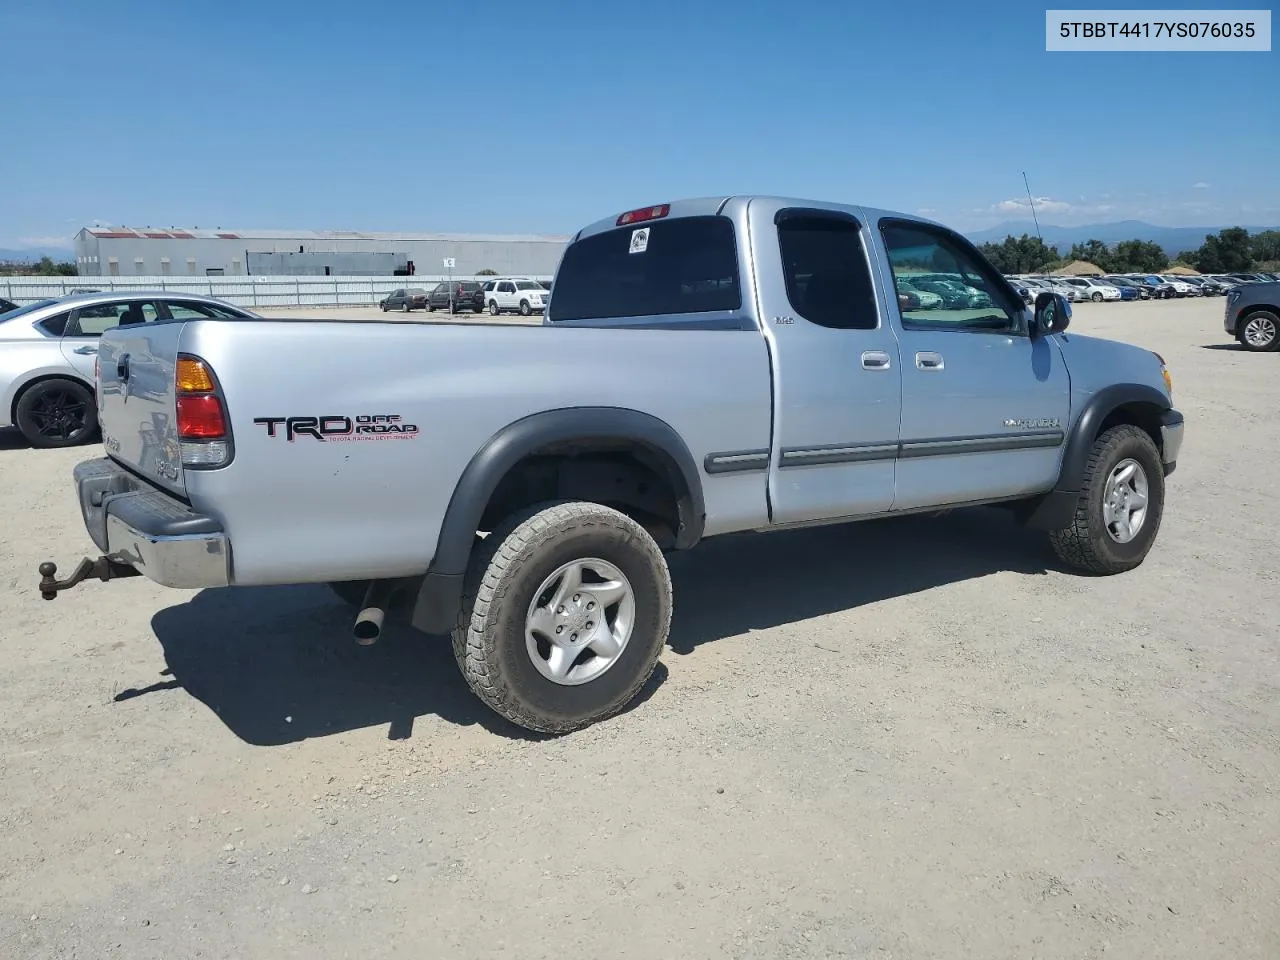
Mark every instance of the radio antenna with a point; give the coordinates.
(1033, 206)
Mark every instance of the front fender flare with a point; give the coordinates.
(1055, 509)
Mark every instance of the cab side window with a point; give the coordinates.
(96, 319)
(940, 285)
(200, 311)
(827, 274)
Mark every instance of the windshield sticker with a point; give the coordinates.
(640, 240)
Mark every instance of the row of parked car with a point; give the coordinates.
(1135, 286)
(499, 295)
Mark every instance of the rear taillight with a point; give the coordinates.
(202, 416)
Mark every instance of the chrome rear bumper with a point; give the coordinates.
(136, 525)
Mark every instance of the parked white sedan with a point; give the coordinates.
(48, 351)
(1093, 289)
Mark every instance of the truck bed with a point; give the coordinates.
(421, 399)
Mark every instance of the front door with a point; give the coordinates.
(835, 365)
(984, 406)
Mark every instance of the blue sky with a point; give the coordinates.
(508, 116)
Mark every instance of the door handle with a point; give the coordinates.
(929, 361)
(875, 360)
(86, 350)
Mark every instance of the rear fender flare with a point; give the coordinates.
(440, 594)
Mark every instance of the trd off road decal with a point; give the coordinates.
(379, 426)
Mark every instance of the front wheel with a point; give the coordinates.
(525, 309)
(565, 611)
(1260, 331)
(57, 413)
(1120, 505)
(404, 307)
(1096, 298)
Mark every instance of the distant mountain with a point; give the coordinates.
(1173, 240)
(32, 254)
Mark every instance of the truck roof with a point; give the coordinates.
(733, 203)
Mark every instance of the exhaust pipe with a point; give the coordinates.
(368, 626)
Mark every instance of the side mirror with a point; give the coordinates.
(1052, 314)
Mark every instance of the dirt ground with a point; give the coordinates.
(907, 739)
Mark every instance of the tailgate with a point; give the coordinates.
(136, 400)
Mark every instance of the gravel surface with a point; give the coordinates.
(900, 739)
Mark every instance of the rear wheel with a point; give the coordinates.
(1260, 331)
(1120, 505)
(565, 611)
(493, 308)
(404, 307)
(57, 413)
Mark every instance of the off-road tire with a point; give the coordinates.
(30, 409)
(1084, 544)
(1263, 315)
(506, 569)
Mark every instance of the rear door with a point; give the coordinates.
(86, 325)
(837, 377)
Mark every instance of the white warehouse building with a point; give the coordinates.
(153, 252)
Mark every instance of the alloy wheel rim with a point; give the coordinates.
(1126, 501)
(579, 621)
(1260, 331)
(59, 414)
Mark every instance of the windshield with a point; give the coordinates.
(529, 285)
(14, 314)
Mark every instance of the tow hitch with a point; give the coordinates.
(104, 568)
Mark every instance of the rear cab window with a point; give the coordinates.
(685, 265)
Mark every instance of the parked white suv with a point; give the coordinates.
(1095, 290)
(515, 293)
(1180, 285)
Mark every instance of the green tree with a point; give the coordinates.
(1228, 252)
(1264, 247)
(1018, 254)
(487, 272)
(1138, 256)
(1095, 252)
(47, 268)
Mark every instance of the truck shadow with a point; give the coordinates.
(278, 665)
(730, 585)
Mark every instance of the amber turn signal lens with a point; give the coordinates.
(193, 377)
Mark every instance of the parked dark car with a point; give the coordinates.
(457, 295)
(1160, 288)
(411, 298)
(1129, 289)
(1252, 316)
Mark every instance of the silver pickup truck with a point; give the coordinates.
(704, 367)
